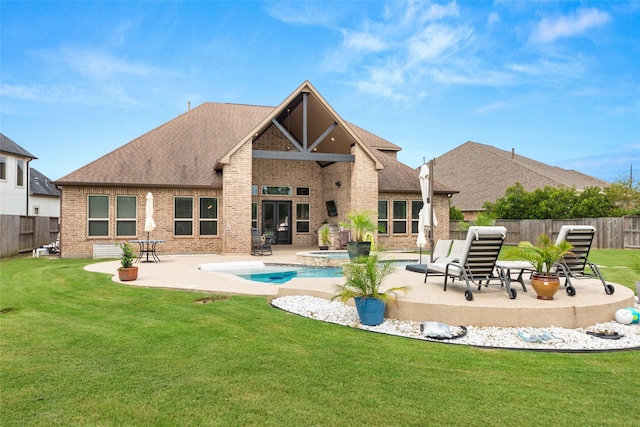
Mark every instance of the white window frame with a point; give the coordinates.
(179, 220)
(19, 173)
(303, 220)
(133, 220)
(383, 219)
(208, 220)
(3, 168)
(97, 219)
(399, 220)
(415, 216)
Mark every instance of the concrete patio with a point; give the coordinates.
(425, 301)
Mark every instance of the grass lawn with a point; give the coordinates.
(77, 349)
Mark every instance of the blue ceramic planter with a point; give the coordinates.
(370, 310)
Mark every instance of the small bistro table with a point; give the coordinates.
(147, 247)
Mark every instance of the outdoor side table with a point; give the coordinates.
(147, 247)
(519, 267)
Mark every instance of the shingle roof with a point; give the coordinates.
(179, 153)
(482, 173)
(41, 185)
(184, 151)
(10, 147)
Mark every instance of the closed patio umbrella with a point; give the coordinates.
(149, 223)
(426, 217)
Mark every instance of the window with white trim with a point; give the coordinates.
(302, 218)
(3, 168)
(126, 215)
(98, 216)
(416, 205)
(183, 216)
(383, 216)
(208, 216)
(19, 173)
(399, 217)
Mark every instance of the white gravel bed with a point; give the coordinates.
(551, 338)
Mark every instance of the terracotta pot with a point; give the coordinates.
(126, 274)
(545, 286)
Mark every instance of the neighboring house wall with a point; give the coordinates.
(44, 206)
(13, 197)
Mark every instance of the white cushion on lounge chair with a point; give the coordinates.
(442, 249)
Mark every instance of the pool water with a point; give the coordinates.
(277, 274)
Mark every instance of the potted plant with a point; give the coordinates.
(363, 225)
(543, 256)
(127, 271)
(363, 281)
(323, 237)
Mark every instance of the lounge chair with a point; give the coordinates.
(571, 266)
(442, 249)
(477, 261)
(260, 245)
(574, 266)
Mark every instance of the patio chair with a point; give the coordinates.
(574, 266)
(442, 249)
(260, 245)
(477, 262)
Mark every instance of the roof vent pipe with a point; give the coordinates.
(513, 153)
(188, 105)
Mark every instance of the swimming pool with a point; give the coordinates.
(277, 274)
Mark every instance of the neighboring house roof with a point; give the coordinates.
(10, 147)
(185, 151)
(40, 185)
(483, 173)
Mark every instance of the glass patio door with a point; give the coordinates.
(276, 221)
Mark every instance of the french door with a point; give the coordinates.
(276, 221)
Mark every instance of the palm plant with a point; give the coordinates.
(544, 254)
(362, 223)
(364, 278)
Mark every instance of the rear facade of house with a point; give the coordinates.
(219, 170)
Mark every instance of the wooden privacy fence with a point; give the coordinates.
(25, 233)
(611, 233)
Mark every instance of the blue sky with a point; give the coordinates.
(557, 81)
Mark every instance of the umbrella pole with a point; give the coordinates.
(147, 246)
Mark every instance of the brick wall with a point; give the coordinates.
(408, 240)
(357, 191)
(74, 239)
(236, 212)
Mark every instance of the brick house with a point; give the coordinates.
(466, 167)
(218, 170)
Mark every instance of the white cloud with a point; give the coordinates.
(490, 108)
(434, 41)
(301, 13)
(493, 19)
(363, 41)
(549, 30)
(96, 64)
